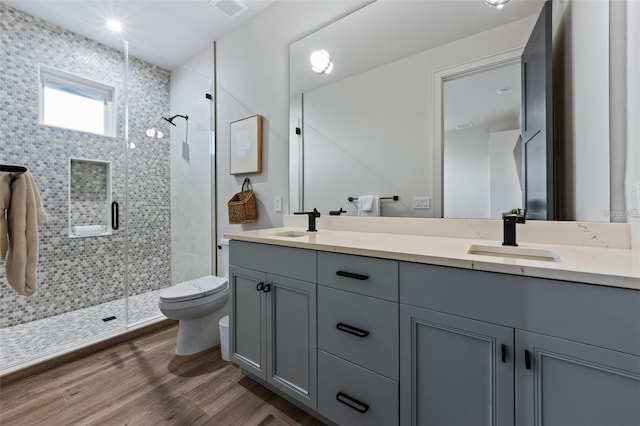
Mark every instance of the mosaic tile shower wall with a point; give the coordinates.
(80, 272)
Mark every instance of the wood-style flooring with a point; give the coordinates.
(142, 382)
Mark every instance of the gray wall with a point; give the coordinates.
(254, 82)
(252, 68)
(80, 272)
(192, 191)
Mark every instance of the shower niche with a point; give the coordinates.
(90, 206)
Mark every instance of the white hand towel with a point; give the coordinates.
(365, 203)
(368, 205)
(25, 214)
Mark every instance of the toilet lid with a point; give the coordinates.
(194, 289)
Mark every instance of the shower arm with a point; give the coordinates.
(170, 120)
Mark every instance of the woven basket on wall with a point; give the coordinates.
(242, 206)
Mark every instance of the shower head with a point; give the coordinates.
(170, 120)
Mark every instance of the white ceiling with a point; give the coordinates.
(473, 98)
(163, 32)
(388, 30)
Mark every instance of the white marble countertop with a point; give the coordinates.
(594, 265)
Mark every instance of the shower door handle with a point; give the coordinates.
(115, 215)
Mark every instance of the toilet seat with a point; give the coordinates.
(194, 289)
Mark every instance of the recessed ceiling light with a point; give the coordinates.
(114, 25)
(321, 62)
(499, 4)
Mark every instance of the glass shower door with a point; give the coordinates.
(128, 196)
(170, 197)
(148, 219)
(79, 170)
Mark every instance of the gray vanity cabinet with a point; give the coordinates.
(358, 340)
(573, 350)
(291, 338)
(273, 318)
(454, 370)
(367, 341)
(248, 345)
(569, 383)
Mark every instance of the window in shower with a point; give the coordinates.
(77, 103)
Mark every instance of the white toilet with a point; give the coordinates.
(198, 305)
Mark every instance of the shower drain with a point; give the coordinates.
(111, 318)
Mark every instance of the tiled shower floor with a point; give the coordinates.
(26, 342)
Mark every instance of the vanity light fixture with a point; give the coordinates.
(114, 25)
(321, 62)
(498, 4)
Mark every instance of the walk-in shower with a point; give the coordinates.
(97, 278)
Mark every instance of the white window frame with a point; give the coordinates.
(78, 83)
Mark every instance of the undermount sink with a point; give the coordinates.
(523, 253)
(290, 234)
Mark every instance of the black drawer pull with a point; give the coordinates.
(260, 287)
(267, 288)
(352, 275)
(504, 352)
(527, 359)
(352, 330)
(350, 402)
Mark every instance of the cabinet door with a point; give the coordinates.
(452, 370)
(247, 328)
(569, 383)
(291, 338)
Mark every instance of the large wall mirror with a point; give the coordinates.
(422, 102)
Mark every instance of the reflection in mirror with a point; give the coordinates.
(372, 118)
(375, 124)
(481, 126)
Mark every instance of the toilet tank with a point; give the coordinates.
(224, 259)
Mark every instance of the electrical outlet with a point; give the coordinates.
(277, 204)
(421, 203)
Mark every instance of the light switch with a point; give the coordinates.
(421, 203)
(277, 203)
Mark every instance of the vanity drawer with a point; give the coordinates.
(360, 329)
(359, 274)
(351, 395)
(284, 261)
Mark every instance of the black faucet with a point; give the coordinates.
(312, 219)
(509, 221)
(337, 212)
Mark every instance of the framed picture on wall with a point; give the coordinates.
(246, 146)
